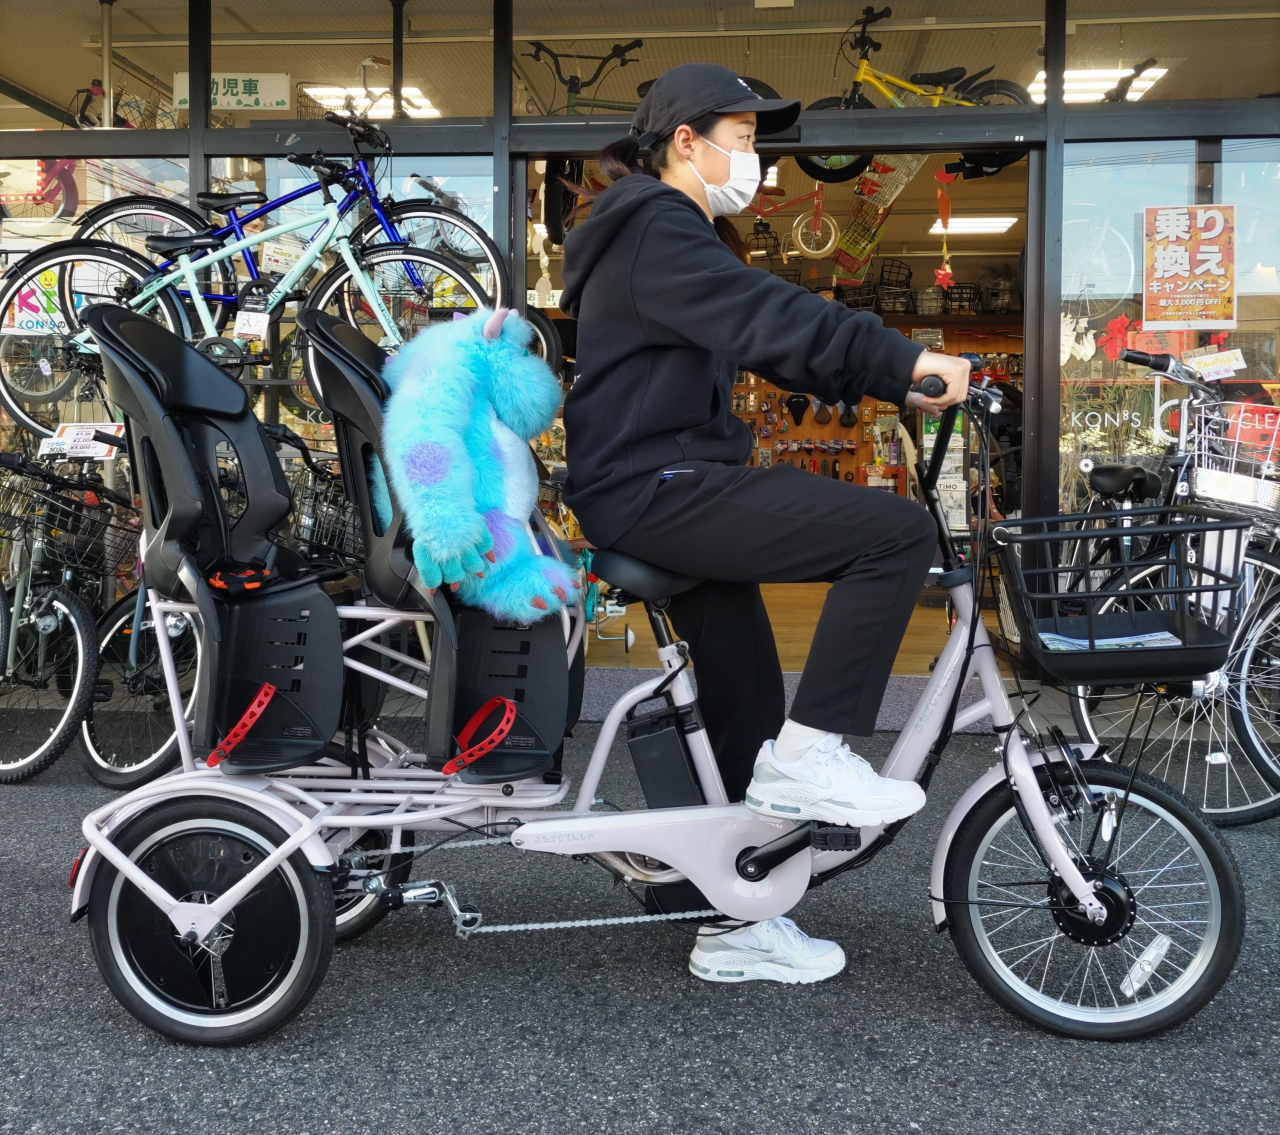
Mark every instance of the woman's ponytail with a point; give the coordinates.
(620, 158)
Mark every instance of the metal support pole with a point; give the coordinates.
(200, 68)
(503, 26)
(519, 231)
(397, 58)
(1041, 401)
(108, 86)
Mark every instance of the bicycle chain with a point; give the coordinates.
(581, 923)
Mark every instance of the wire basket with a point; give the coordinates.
(930, 300)
(1130, 596)
(324, 522)
(997, 298)
(858, 297)
(895, 274)
(962, 299)
(79, 531)
(791, 275)
(896, 300)
(1236, 458)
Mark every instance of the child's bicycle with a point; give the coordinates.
(1084, 896)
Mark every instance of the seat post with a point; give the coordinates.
(656, 611)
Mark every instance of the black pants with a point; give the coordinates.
(738, 527)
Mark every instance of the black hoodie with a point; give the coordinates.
(666, 314)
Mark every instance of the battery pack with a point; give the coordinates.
(661, 757)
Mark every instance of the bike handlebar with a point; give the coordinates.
(324, 167)
(1165, 364)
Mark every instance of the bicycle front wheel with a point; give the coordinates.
(441, 289)
(46, 376)
(1175, 912)
(47, 689)
(450, 234)
(128, 737)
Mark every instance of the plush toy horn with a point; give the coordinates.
(493, 325)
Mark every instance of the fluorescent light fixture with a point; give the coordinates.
(1090, 86)
(965, 226)
(771, 178)
(374, 102)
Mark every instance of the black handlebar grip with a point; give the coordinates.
(12, 460)
(931, 386)
(1142, 359)
(104, 438)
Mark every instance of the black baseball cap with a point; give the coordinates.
(688, 92)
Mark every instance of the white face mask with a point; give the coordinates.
(736, 193)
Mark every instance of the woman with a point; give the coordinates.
(657, 469)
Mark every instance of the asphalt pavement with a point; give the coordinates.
(604, 1030)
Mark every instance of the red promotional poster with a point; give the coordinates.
(1189, 268)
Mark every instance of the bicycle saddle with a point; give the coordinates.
(1125, 481)
(181, 242)
(221, 202)
(638, 578)
(938, 78)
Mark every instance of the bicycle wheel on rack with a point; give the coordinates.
(1198, 745)
(836, 168)
(443, 289)
(1098, 268)
(128, 221)
(46, 377)
(447, 233)
(1174, 898)
(48, 688)
(127, 737)
(546, 339)
(1255, 707)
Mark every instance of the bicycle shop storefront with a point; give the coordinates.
(1037, 184)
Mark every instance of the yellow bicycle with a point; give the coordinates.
(928, 88)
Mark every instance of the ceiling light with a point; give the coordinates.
(961, 226)
(771, 178)
(1090, 86)
(374, 102)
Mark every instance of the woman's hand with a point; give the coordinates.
(953, 371)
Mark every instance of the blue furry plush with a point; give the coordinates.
(466, 399)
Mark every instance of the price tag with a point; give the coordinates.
(253, 319)
(80, 441)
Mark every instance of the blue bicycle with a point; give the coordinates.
(435, 224)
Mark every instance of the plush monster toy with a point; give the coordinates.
(466, 398)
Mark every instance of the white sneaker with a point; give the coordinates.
(832, 784)
(777, 950)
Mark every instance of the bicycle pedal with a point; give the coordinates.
(103, 689)
(827, 837)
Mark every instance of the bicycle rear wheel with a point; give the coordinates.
(129, 738)
(46, 377)
(128, 221)
(48, 690)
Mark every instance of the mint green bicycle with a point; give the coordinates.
(49, 369)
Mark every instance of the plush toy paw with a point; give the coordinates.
(524, 590)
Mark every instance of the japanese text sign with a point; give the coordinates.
(1189, 268)
(237, 90)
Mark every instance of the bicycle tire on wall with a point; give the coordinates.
(815, 166)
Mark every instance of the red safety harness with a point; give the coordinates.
(478, 750)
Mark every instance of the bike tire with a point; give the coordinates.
(553, 200)
(68, 205)
(416, 220)
(546, 340)
(1184, 727)
(201, 846)
(993, 88)
(456, 290)
(1249, 715)
(123, 754)
(128, 221)
(36, 735)
(48, 347)
(851, 165)
(1181, 994)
